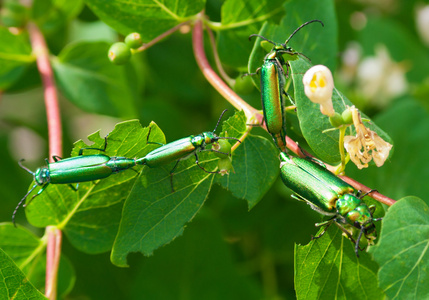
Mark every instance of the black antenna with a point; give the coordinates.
(19, 204)
(305, 24)
(218, 121)
(264, 38)
(25, 168)
(223, 137)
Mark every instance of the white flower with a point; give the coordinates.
(318, 85)
(381, 79)
(422, 23)
(366, 145)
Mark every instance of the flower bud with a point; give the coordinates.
(318, 85)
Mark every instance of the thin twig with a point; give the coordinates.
(222, 72)
(213, 78)
(161, 36)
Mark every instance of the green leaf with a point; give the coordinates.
(327, 268)
(15, 57)
(153, 215)
(313, 122)
(199, 263)
(255, 162)
(13, 284)
(147, 17)
(90, 216)
(239, 19)
(88, 79)
(28, 252)
(402, 251)
(314, 41)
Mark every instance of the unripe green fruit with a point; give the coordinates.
(223, 146)
(133, 40)
(336, 120)
(347, 116)
(243, 85)
(119, 53)
(224, 165)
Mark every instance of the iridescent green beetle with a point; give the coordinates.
(273, 79)
(330, 196)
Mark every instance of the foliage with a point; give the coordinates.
(203, 239)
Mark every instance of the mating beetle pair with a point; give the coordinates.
(313, 183)
(83, 168)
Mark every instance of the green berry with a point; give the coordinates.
(222, 146)
(243, 85)
(119, 53)
(133, 40)
(225, 165)
(336, 120)
(347, 116)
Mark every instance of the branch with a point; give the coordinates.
(213, 78)
(41, 52)
(53, 254)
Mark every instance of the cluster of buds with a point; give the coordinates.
(366, 145)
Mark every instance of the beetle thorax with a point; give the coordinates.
(41, 176)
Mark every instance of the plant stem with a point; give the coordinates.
(375, 195)
(217, 60)
(213, 78)
(53, 254)
(160, 37)
(41, 52)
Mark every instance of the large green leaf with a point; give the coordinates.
(89, 80)
(255, 162)
(15, 56)
(239, 19)
(29, 253)
(313, 122)
(327, 268)
(403, 250)
(90, 216)
(13, 284)
(149, 18)
(153, 214)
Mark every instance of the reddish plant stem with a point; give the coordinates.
(40, 50)
(212, 77)
(53, 254)
(250, 112)
(375, 195)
